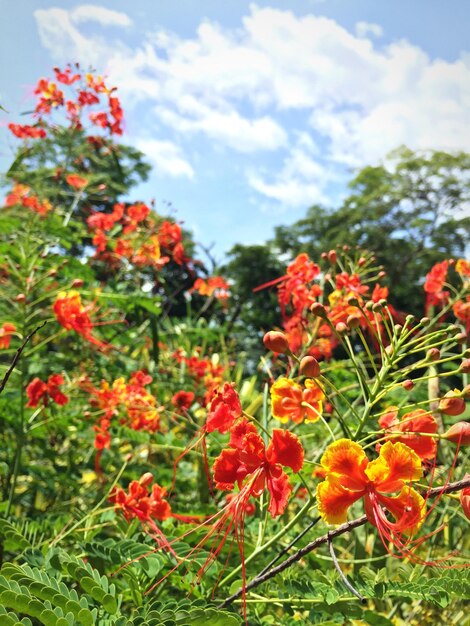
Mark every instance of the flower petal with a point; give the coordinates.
(280, 489)
(286, 399)
(395, 465)
(334, 501)
(285, 448)
(226, 469)
(345, 462)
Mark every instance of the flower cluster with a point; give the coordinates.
(206, 374)
(305, 286)
(128, 402)
(131, 232)
(72, 314)
(21, 194)
(214, 286)
(39, 390)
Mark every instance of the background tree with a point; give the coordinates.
(410, 211)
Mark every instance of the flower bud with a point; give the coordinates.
(433, 354)
(465, 366)
(352, 321)
(310, 367)
(461, 338)
(459, 433)
(341, 328)
(318, 310)
(276, 341)
(377, 306)
(452, 403)
(53, 272)
(382, 274)
(146, 479)
(20, 298)
(332, 256)
(465, 499)
(77, 282)
(353, 301)
(346, 247)
(368, 305)
(324, 256)
(398, 328)
(361, 261)
(408, 384)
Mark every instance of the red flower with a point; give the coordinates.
(87, 98)
(27, 132)
(465, 499)
(253, 467)
(183, 400)
(76, 181)
(65, 76)
(434, 283)
(411, 425)
(99, 119)
(105, 221)
(135, 214)
(224, 409)
(38, 390)
(6, 331)
(73, 315)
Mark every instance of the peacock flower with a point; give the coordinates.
(410, 430)
(253, 467)
(383, 483)
(292, 402)
(73, 315)
(6, 331)
(38, 390)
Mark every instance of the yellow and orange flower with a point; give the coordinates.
(292, 402)
(383, 483)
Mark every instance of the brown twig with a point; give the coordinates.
(17, 356)
(341, 530)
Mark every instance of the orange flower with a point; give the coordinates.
(290, 401)
(6, 331)
(149, 253)
(27, 132)
(411, 425)
(215, 286)
(350, 476)
(73, 315)
(462, 267)
(76, 181)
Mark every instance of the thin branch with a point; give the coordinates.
(346, 582)
(17, 356)
(313, 545)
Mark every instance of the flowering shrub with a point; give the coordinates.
(139, 446)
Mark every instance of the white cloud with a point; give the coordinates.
(238, 87)
(93, 13)
(302, 179)
(365, 28)
(166, 157)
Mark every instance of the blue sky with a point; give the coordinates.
(252, 112)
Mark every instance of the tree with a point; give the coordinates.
(409, 211)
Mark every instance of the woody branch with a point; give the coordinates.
(341, 530)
